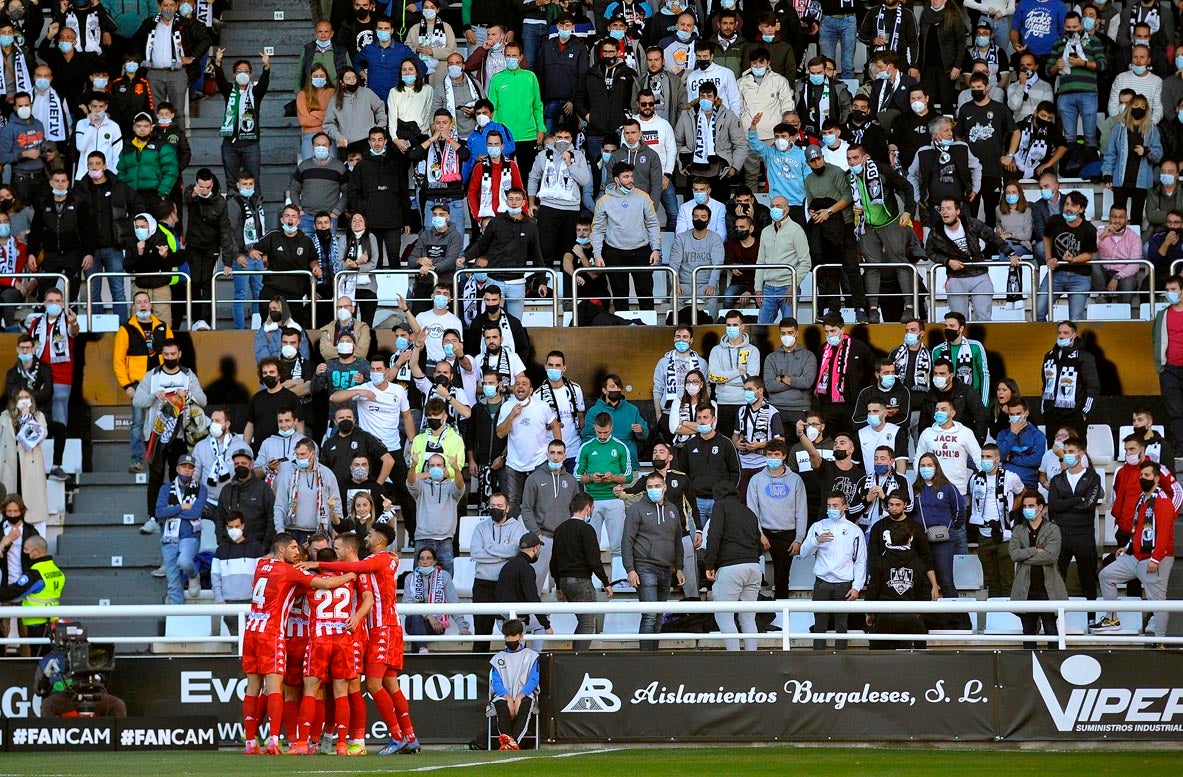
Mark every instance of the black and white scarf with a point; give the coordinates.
(502, 367)
(1148, 529)
(450, 92)
(671, 372)
(20, 75)
(92, 40)
(547, 392)
(919, 380)
(252, 223)
(178, 46)
(204, 13)
(556, 184)
(890, 483)
(505, 183)
(893, 41)
(831, 378)
(1033, 146)
(1061, 379)
(56, 334)
(9, 256)
(704, 137)
(755, 424)
(1148, 16)
(430, 589)
(329, 260)
(49, 110)
(873, 181)
(978, 495)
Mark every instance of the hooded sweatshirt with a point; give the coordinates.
(546, 499)
(435, 507)
(493, 544)
(731, 364)
(625, 221)
(734, 536)
(779, 501)
(652, 536)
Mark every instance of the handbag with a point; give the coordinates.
(932, 533)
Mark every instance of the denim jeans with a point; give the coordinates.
(655, 587)
(580, 589)
(247, 157)
(457, 207)
(669, 201)
(942, 566)
(1077, 287)
(444, 554)
(533, 37)
(515, 298)
(109, 260)
(552, 114)
(61, 402)
(306, 144)
(705, 507)
(775, 305)
(246, 287)
(139, 448)
(960, 539)
(832, 29)
(179, 559)
(729, 298)
(1084, 105)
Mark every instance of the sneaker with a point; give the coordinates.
(1106, 624)
(273, 747)
(874, 317)
(342, 748)
(412, 747)
(160, 571)
(150, 527)
(357, 748)
(503, 740)
(57, 473)
(860, 317)
(200, 326)
(194, 588)
(299, 748)
(907, 314)
(315, 749)
(394, 746)
(513, 745)
(252, 748)
(136, 467)
(326, 743)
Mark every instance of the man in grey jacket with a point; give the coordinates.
(546, 500)
(494, 541)
(651, 550)
(711, 142)
(306, 494)
(437, 489)
(777, 496)
(625, 232)
(555, 186)
(698, 247)
(646, 162)
(789, 374)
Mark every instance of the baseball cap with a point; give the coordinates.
(186, 459)
(529, 540)
(813, 152)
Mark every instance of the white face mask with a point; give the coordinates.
(288, 351)
(788, 341)
(234, 534)
(216, 430)
(1133, 459)
(812, 432)
(940, 381)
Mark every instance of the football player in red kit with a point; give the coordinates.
(346, 547)
(384, 652)
(297, 648)
(264, 649)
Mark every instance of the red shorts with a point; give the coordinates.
(264, 653)
(361, 644)
(331, 658)
(297, 649)
(384, 654)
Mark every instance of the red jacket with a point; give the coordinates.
(22, 260)
(496, 171)
(1164, 530)
(1127, 489)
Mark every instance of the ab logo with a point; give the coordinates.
(594, 695)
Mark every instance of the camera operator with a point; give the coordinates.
(72, 678)
(40, 585)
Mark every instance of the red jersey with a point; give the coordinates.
(277, 584)
(297, 626)
(330, 610)
(382, 571)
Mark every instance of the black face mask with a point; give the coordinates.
(857, 117)
(497, 514)
(702, 64)
(659, 463)
(841, 455)
(978, 95)
(492, 310)
(435, 423)
(13, 519)
(513, 645)
(324, 234)
(1137, 114)
(270, 381)
(171, 364)
(276, 315)
(615, 396)
(350, 88)
(1147, 485)
(346, 426)
(699, 224)
(607, 61)
(951, 335)
(360, 14)
(242, 472)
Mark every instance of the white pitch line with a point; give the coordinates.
(514, 759)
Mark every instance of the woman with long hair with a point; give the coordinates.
(358, 249)
(429, 583)
(1128, 163)
(408, 107)
(23, 429)
(942, 43)
(695, 394)
(939, 506)
(1014, 217)
(1006, 390)
(351, 113)
(312, 102)
(432, 38)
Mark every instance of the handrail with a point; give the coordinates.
(551, 273)
(784, 607)
(648, 268)
(1176, 266)
(725, 268)
(412, 272)
(870, 266)
(133, 275)
(1052, 294)
(1023, 266)
(60, 276)
(219, 275)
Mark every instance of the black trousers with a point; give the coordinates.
(390, 245)
(618, 281)
(402, 497)
(201, 271)
(1032, 620)
(515, 727)
(1083, 547)
(163, 467)
(824, 591)
(779, 543)
(989, 197)
(483, 592)
(1055, 418)
(556, 233)
(831, 282)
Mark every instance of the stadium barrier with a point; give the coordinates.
(880, 266)
(552, 276)
(175, 274)
(938, 275)
(62, 282)
(649, 268)
(342, 287)
(219, 276)
(724, 274)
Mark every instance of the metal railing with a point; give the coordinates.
(727, 268)
(221, 276)
(1176, 266)
(784, 608)
(1024, 266)
(881, 267)
(412, 274)
(1053, 295)
(551, 274)
(652, 268)
(65, 281)
(113, 275)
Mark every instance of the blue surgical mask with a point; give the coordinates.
(928, 473)
(425, 570)
(654, 494)
(833, 513)
(25, 358)
(53, 309)
(856, 169)
(817, 79)
(42, 84)
(377, 378)
(489, 391)
(66, 47)
(409, 80)
(248, 193)
(706, 105)
(554, 466)
(911, 338)
(776, 213)
(5, 230)
(1014, 419)
(401, 343)
(704, 428)
(887, 381)
(759, 72)
(732, 332)
(6, 40)
(439, 222)
(511, 63)
(60, 192)
(494, 152)
(1071, 218)
(883, 75)
(142, 233)
(186, 9)
(1030, 512)
(454, 71)
(1172, 296)
(1012, 199)
(700, 198)
(681, 346)
(554, 375)
(323, 44)
(683, 35)
(480, 277)
(1088, 23)
(439, 301)
(449, 350)
(564, 35)
(302, 463)
(773, 463)
(513, 211)
(749, 396)
(987, 466)
(383, 35)
(1179, 61)
(830, 140)
(1070, 460)
(1167, 179)
(768, 38)
(286, 433)
(834, 340)
(874, 419)
(616, 34)
(436, 473)
(1064, 342)
(940, 417)
(982, 41)
(881, 469)
(319, 82)
(1046, 194)
(1138, 70)
(320, 152)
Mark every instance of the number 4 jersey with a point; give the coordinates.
(277, 584)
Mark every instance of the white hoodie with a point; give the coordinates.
(956, 449)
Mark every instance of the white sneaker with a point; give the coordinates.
(150, 527)
(200, 326)
(160, 571)
(194, 588)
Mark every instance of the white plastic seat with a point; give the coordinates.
(467, 526)
(1100, 443)
(622, 623)
(209, 536)
(968, 574)
(464, 572)
(1002, 622)
(195, 626)
(801, 574)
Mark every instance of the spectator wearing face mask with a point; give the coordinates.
(137, 350)
(232, 572)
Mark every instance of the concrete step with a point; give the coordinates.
(130, 557)
(123, 478)
(118, 586)
(293, 10)
(110, 456)
(207, 115)
(102, 518)
(118, 500)
(107, 541)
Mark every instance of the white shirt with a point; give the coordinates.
(956, 449)
(382, 416)
(568, 415)
(721, 77)
(842, 559)
(436, 325)
(659, 136)
(516, 365)
(836, 156)
(15, 569)
(718, 223)
(105, 137)
(1012, 486)
(162, 50)
(869, 439)
(1051, 465)
(529, 435)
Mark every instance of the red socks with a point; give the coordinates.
(357, 716)
(386, 710)
(341, 716)
(404, 713)
(275, 714)
(291, 719)
(250, 721)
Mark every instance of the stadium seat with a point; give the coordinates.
(71, 457)
(968, 575)
(1002, 622)
(1131, 622)
(1108, 530)
(1077, 622)
(1100, 444)
(467, 525)
(464, 569)
(618, 573)
(1125, 431)
(195, 626)
(622, 623)
(801, 575)
(209, 536)
(563, 622)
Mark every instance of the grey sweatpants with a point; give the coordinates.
(1125, 568)
(884, 244)
(737, 583)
